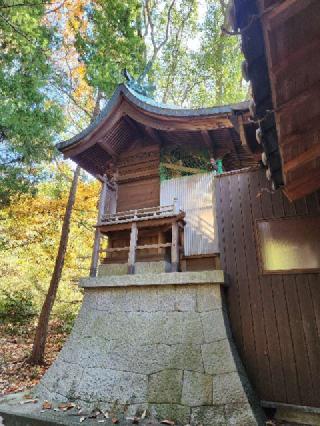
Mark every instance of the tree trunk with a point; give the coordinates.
(42, 328)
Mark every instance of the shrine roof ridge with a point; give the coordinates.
(151, 106)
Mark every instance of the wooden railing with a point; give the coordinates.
(140, 214)
(132, 217)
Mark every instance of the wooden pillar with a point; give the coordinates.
(97, 235)
(132, 249)
(175, 247)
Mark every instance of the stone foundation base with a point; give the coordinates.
(163, 348)
(110, 269)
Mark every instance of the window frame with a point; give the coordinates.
(264, 271)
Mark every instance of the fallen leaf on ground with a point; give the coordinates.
(29, 401)
(143, 415)
(17, 375)
(66, 406)
(135, 420)
(115, 421)
(167, 422)
(27, 396)
(47, 405)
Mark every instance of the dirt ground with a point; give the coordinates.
(16, 374)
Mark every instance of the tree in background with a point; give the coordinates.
(29, 239)
(43, 323)
(113, 42)
(29, 117)
(201, 66)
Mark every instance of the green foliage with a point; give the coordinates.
(29, 118)
(30, 229)
(16, 307)
(181, 159)
(178, 45)
(66, 313)
(112, 43)
(207, 74)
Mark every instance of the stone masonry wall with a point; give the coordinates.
(163, 348)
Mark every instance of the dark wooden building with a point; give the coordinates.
(270, 251)
(270, 246)
(183, 190)
(281, 44)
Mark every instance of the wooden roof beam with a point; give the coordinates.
(108, 149)
(207, 140)
(153, 134)
(134, 126)
(220, 152)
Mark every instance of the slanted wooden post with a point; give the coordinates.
(97, 235)
(175, 247)
(132, 249)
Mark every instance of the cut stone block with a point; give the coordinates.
(197, 389)
(111, 385)
(218, 358)
(228, 388)
(111, 269)
(174, 412)
(213, 325)
(208, 298)
(209, 416)
(165, 387)
(185, 301)
(240, 414)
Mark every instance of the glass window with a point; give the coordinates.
(289, 244)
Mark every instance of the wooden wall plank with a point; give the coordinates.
(282, 318)
(230, 265)
(289, 364)
(274, 350)
(244, 260)
(310, 333)
(300, 350)
(275, 319)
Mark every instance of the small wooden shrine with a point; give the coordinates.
(157, 164)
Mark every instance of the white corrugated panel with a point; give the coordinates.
(195, 195)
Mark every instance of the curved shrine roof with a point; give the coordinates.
(129, 115)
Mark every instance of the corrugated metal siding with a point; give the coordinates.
(196, 198)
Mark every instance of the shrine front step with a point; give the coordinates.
(155, 342)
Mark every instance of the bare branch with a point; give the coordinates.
(69, 95)
(168, 25)
(96, 109)
(55, 8)
(9, 6)
(156, 47)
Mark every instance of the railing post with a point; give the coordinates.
(132, 249)
(175, 247)
(97, 235)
